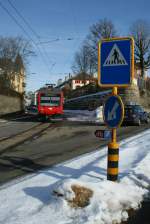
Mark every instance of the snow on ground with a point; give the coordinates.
(30, 200)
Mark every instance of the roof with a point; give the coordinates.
(83, 76)
(49, 90)
(80, 76)
(18, 63)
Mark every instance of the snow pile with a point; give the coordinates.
(31, 200)
(109, 203)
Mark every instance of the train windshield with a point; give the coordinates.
(50, 100)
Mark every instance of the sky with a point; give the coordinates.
(65, 24)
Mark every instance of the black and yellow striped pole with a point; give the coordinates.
(113, 152)
(113, 146)
(113, 158)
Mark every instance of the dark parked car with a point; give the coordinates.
(135, 114)
(32, 109)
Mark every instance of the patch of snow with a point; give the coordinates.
(31, 200)
(85, 115)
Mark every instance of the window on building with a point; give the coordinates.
(77, 81)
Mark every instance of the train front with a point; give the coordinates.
(50, 104)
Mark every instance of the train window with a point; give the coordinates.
(50, 100)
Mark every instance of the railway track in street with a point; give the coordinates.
(2, 139)
(7, 143)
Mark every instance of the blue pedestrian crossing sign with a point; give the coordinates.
(116, 62)
(113, 111)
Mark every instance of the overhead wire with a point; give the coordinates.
(25, 32)
(38, 37)
(75, 24)
(22, 17)
(15, 20)
(43, 53)
(32, 30)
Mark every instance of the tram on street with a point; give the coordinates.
(50, 102)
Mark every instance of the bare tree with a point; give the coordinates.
(86, 57)
(10, 47)
(14, 53)
(102, 29)
(82, 61)
(141, 33)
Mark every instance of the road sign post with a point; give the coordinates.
(113, 116)
(103, 134)
(115, 69)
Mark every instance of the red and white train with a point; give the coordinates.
(50, 102)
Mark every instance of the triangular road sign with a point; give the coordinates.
(115, 57)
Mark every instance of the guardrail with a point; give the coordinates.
(90, 101)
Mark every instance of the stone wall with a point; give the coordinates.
(145, 99)
(130, 94)
(10, 104)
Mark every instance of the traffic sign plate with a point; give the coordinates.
(113, 111)
(116, 62)
(103, 134)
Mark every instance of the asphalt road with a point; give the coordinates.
(16, 125)
(59, 141)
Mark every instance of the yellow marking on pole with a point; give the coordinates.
(114, 135)
(114, 90)
(113, 145)
(112, 171)
(113, 158)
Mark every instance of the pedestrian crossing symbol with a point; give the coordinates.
(115, 57)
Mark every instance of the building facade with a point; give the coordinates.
(77, 81)
(12, 74)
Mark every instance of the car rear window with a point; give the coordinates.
(128, 111)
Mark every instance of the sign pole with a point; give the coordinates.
(115, 69)
(113, 153)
